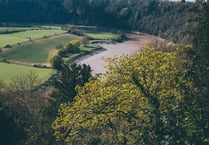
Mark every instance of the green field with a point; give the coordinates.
(10, 29)
(38, 47)
(20, 28)
(8, 71)
(25, 36)
(99, 34)
(50, 27)
(37, 52)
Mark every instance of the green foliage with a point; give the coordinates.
(124, 12)
(76, 32)
(72, 47)
(9, 133)
(22, 102)
(65, 90)
(68, 78)
(141, 100)
(121, 37)
(199, 57)
(201, 37)
(151, 16)
(56, 61)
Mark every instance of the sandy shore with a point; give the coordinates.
(134, 44)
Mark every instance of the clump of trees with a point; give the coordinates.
(9, 133)
(70, 47)
(20, 106)
(64, 84)
(73, 30)
(141, 100)
(56, 62)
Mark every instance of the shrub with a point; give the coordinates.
(56, 62)
(8, 46)
(76, 32)
(62, 52)
(73, 46)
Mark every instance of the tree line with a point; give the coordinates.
(150, 16)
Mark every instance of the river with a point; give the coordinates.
(134, 44)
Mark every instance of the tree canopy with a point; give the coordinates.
(157, 17)
(145, 99)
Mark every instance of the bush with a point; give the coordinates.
(72, 46)
(56, 62)
(62, 52)
(76, 32)
(121, 37)
(8, 46)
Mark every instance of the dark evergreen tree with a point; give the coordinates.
(10, 134)
(200, 59)
(68, 77)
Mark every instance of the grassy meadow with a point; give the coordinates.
(100, 35)
(29, 45)
(8, 71)
(37, 51)
(34, 45)
(25, 36)
(12, 29)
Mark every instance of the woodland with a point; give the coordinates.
(159, 96)
(166, 19)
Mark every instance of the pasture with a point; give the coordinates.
(13, 29)
(34, 45)
(9, 71)
(89, 48)
(37, 51)
(100, 34)
(24, 36)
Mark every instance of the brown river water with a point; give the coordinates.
(134, 44)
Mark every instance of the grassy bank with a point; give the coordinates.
(37, 51)
(9, 71)
(24, 36)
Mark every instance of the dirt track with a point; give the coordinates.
(134, 44)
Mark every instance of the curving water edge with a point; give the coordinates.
(134, 44)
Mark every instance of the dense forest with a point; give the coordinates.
(155, 97)
(166, 19)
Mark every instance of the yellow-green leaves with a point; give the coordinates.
(131, 104)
